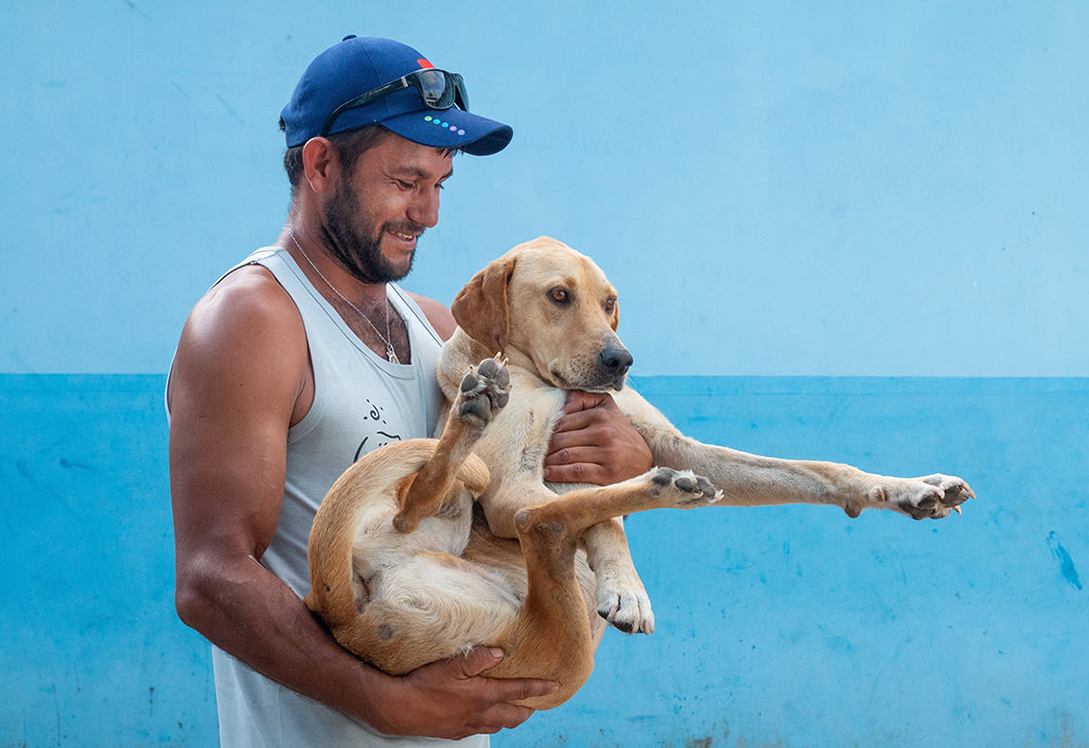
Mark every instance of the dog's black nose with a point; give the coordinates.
(615, 359)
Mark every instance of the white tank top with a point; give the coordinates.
(361, 401)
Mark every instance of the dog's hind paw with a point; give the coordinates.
(484, 391)
(684, 488)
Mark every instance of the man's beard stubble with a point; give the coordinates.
(360, 254)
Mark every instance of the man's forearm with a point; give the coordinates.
(252, 615)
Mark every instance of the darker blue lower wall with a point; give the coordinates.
(786, 626)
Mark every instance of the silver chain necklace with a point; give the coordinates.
(390, 353)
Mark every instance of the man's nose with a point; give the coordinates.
(424, 209)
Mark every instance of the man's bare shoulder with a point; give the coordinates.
(437, 314)
(245, 328)
(246, 307)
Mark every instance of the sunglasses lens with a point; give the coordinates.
(436, 89)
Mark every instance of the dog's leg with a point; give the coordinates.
(621, 598)
(554, 610)
(751, 480)
(619, 594)
(483, 393)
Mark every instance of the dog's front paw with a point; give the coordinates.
(624, 604)
(932, 497)
(484, 391)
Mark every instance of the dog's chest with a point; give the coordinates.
(521, 433)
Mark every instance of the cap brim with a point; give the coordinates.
(452, 128)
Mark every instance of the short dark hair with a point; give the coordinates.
(349, 146)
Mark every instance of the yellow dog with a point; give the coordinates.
(405, 571)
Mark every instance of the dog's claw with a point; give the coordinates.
(625, 607)
(957, 510)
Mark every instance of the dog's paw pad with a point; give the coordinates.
(489, 367)
(933, 497)
(469, 384)
(485, 390)
(687, 488)
(663, 476)
(477, 408)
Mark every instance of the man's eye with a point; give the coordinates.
(404, 185)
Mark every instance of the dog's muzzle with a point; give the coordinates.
(615, 360)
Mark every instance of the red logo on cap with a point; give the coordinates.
(424, 63)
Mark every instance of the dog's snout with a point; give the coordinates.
(615, 359)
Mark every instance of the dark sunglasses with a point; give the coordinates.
(438, 89)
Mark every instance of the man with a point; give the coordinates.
(303, 358)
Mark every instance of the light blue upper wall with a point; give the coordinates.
(776, 188)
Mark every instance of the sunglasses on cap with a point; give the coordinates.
(438, 90)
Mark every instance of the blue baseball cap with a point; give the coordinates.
(359, 65)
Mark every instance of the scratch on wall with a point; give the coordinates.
(230, 109)
(133, 8)
(1066, 564)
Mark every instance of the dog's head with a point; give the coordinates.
(551, 309)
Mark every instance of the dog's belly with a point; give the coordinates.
(417, 602)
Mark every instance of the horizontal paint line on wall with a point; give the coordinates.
(678, 384)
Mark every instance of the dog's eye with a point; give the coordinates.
(559, 295)
(610, 304)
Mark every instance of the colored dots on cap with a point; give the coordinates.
(440, 123)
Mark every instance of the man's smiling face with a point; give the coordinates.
(382, 205)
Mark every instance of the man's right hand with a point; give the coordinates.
(452, 699)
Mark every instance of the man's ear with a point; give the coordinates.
(481, 309)
(321, 164)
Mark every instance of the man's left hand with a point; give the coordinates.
(595, 443)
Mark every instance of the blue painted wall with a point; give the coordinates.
(785, 626)
(778, 188)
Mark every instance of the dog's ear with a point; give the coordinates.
(481, 310)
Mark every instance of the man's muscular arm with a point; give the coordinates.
(240, 378)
